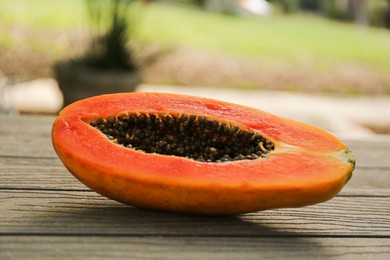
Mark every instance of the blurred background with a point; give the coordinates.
(324, 62)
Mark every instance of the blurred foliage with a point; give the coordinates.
(286, 37)
(286, 6)
(279, 51)
(191, 2)
(380, 13)
(377, 12)
(112, 23)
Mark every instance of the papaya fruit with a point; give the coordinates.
(195, 155)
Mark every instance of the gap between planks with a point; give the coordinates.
(33, 234)
(87, 190)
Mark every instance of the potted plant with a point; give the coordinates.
(108, 65)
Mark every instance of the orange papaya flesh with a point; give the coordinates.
(306, 166)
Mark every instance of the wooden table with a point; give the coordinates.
(46, 213)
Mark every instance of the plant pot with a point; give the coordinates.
(78, 81)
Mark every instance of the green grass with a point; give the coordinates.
(42, 14)
(294, 39)
(28, 20)
(281, 37)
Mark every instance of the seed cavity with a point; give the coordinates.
(191, 136)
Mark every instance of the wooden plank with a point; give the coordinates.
(23, 145)
(26, 124)
(30, 137)
(47, 213)
(36, 173)
(370, 153)
(368, 182)
(374, 155)
(46, 173)
(54, 247)
(26, 136)
(86, 213)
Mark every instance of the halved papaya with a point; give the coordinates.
(195, 155)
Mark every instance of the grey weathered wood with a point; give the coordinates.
(26, 124)
(46, 213)
(30, 137)
(39, 146)
(49, 173)
(26, 145)
(371, 152)
(36, 173)
(368, 182)
(37, 212)
(187, 247)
